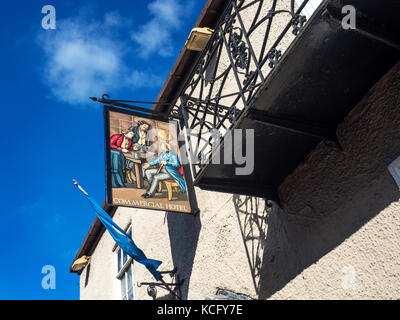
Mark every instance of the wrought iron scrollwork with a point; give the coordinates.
(239, 50)
(233, 114)
(298, 22)
(229, 22)
(247, 44)
(273, 57)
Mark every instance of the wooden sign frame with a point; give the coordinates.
(130, 190)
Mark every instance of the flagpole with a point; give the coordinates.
(161, 278)
(79, 187)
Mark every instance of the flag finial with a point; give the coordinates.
(79, 187)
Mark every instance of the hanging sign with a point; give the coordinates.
(144, 167)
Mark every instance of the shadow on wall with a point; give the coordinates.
(184, 230)
(330, 196)
(253, 215)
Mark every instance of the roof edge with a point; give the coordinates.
(93, 236)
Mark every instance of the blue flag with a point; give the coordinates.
(124, 240)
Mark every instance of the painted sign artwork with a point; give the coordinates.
(144, 168)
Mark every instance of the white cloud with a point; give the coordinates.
(167, 11)
(84, 59)
(114, 19)
(156, 35)
(140, 79)
(153, 38)
(79, 69)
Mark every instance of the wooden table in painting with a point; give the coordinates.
(137, 164)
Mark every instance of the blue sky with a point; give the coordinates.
(53, 133)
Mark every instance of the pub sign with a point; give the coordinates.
(144, 167)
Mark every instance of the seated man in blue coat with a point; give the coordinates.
(168, 170)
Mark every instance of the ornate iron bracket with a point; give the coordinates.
(151, 286)
(123, 104)
(248, 43)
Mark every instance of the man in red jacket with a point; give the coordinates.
(120, 144)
